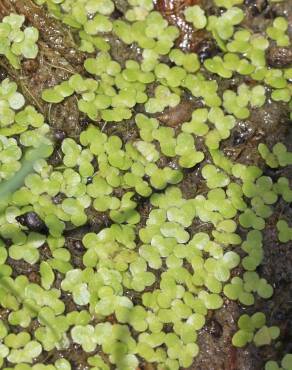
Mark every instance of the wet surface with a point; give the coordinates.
(58, 59)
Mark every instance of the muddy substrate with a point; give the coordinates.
(58, 59)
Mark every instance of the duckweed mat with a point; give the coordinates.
(145, 185)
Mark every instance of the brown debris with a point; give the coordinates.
(146, 366)
(97, 220)
(32, 221)
(214, 328)
(216, 351)
(279, 57)
(30, 66)
(177, 115)
(256, 7)
(268, 124)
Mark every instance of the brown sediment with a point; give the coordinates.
(269, 123)
(190, 39)
(279, 56)
(214, 340)
(177, 115)
(58, 59)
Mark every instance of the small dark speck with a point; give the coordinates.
(238, 138)
(56, 157)
(257, 7)
(280, 315)
(78, 245)
(59, 135)
(58, 199)
(273, 173)
(206, 49)
(84, 122)
(89, 180)
(214, 328)
(117, 14)
(3, 74)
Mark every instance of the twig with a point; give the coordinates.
(24, 87)
(59, 67)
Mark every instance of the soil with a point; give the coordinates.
(59, 58)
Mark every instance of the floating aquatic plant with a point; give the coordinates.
(141, 264)
(285, 363)
(17, 41)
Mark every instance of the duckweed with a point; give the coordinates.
(17, 42)
(277, 31)
(222, 27)
(142, 277)
(284, 231)
(279, 156)
(286, 363)
(253, 328)
(196, 15)
(237, 103)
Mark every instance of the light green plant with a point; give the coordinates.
(253, 328)
(161, 213)
(17, 41)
